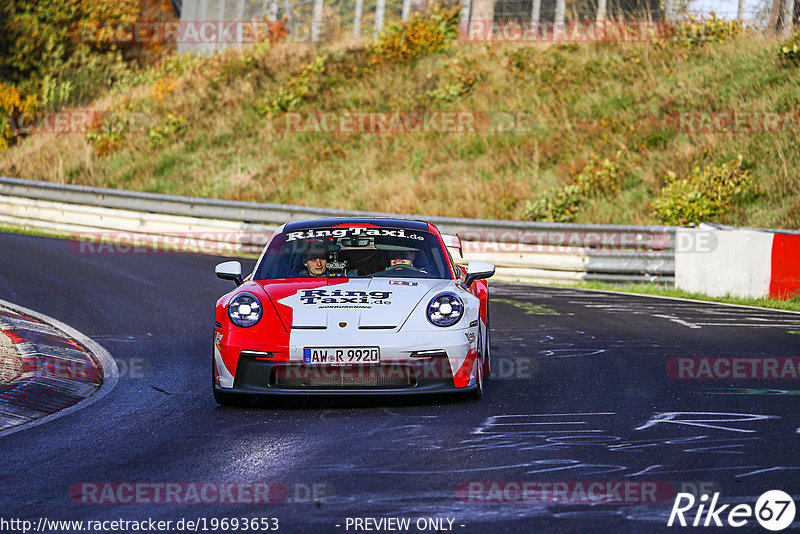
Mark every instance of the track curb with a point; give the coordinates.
(63, 370)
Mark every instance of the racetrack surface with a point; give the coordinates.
(581, 394)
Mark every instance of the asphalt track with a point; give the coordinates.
(581, 394)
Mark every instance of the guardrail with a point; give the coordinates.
(522, 251)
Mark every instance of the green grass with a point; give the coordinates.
(585, 99)
(662, 291)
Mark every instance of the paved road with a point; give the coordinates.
(582, 395)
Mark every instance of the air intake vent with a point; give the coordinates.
(436, 353)
(257, 354)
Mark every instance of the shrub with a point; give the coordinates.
(109, 130)
(297, 89)
(789, 52)
(562, 204)
(173, 127)
(420, 35)
(12, 105)
(461, 77)
(694, 32)
(47, 30)
(163, 86)
(703, 196)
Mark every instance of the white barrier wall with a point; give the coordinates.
(719, 262)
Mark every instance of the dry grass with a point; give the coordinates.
(585, 99)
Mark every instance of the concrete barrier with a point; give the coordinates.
(748, 263)
(785, 272)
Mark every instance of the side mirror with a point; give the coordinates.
(478, 270)
(230, 270)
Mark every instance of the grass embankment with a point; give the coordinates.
(605, 115)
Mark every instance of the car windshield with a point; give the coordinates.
(354, 252)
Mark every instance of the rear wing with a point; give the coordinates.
(453, 241)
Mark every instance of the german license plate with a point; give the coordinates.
(340, 355)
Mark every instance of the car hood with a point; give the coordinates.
(365, 303)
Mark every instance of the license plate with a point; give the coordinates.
(340, 355)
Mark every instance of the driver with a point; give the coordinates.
(402, 257)
(403, 260)
(316, 259)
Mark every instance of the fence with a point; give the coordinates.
(317, 21)
(522, 251)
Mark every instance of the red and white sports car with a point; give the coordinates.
(353, 306)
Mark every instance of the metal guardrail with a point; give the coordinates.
(531, 251)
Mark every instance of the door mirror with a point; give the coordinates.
(478, 270)
(230, 270)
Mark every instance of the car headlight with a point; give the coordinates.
(244, 310)
(445, 309)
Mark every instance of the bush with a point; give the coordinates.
(418, 36)
(173, 127)
(695, 32)
(561, 205)
(703, 196)
(461, 77)
(12, 105)
(789, 52)
(110, 130)
(297, 89)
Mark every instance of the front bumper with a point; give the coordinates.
(261, 369)
(261, 377)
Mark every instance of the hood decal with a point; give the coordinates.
(359, 302)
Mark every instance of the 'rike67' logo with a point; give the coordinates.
(774, 510)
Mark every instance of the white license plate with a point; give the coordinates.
(340, 355)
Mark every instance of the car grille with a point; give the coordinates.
(342, 377)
